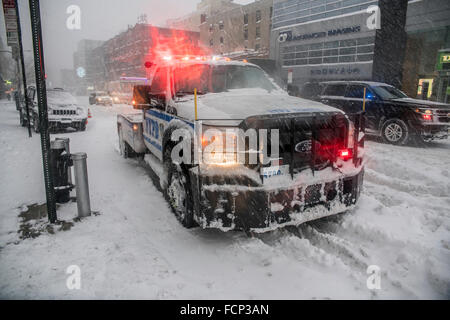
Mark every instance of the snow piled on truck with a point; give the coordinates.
(242, 103)
(136, 248)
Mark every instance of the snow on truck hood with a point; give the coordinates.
(240, 104)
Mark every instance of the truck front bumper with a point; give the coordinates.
(239, 207)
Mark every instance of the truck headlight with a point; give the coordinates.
(219, 146)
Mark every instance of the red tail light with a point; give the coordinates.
(345, 154)
(427, 117)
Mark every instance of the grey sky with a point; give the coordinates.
(100, 20)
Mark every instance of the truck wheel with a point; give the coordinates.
(179, 194)
(36, 124)
(395, 131)
(83, 126)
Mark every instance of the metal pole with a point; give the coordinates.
(81, 184)
(22, 63)
(39, 69)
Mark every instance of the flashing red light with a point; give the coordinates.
(427, 117)
(345, 154)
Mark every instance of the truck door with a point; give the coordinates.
(156, 118)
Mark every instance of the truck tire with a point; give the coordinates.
(178, 192)
(395, 131)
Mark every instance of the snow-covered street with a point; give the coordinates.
(135, 248)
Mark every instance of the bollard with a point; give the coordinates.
(81, 184)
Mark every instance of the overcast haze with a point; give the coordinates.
(100, 20)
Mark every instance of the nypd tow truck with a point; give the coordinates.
(283, 160)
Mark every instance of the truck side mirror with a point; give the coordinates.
(158, 99)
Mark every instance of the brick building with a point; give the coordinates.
(243, 29)
(205, 8)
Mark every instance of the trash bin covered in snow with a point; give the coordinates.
(61, 163)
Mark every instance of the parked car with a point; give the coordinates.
(63, 111)
(390, 113)
(311, 90)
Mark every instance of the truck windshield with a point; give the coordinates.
(388, 92)
(207, 78)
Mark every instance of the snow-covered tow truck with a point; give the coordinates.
(206, 127)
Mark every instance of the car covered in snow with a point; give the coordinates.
(63, 111)
(104, 100)
(94, 95)
(228, 179)
(390, 113)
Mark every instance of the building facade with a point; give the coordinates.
(205, 8)
(426, 71)
(245, 30)
(319, 40)
(84, 62)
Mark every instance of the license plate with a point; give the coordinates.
(66, 121)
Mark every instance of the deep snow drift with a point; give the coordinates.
(135, 248)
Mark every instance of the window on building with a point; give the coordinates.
(220, 25)
(221, 40)
(246, 18)
(211, 42)
(203, 18)
(211, 28)
(245, 33)
(257, 47)
(258, 32)
(258, 15)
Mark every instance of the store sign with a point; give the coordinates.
(335, 71)
(443, 62)
(9, 10)
(288, 36)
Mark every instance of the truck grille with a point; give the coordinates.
(443, 115)
(64, 112)
(306, 141)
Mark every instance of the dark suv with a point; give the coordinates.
(390, 113)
